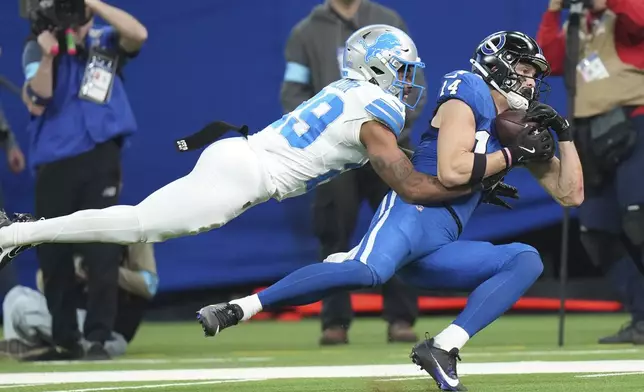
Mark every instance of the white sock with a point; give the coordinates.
(250, 306)
(451, 337)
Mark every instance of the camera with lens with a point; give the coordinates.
(586, 4)
(53, 14)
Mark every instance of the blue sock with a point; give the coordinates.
(315, 282)
(497, 294)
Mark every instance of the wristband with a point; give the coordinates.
(507, 155)
(565, 135)
(478, 168)
(35, 98)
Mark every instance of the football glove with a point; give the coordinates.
(500, 190)
(494, 188)
(546, 116)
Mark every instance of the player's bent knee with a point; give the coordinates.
(381, 272)
(374, 273)
(532, 264)
(526, 259)
(352, 273)
(518, 247)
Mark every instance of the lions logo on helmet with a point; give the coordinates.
(379, 54)
(386, 41)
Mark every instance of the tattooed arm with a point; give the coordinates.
(393, 166)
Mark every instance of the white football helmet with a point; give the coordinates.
(377, 53)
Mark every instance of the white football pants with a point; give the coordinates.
(227, 179)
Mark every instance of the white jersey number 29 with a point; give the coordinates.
(314, 117)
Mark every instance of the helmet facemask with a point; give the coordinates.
(514, 81)
(405, 80)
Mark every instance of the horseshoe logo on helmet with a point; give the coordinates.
(493, 44)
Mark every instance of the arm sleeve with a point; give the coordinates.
(31, 56)
(296, 86)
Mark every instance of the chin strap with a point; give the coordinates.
(515, 100)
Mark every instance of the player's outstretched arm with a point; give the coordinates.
(395, 169)
(562, 179)
(457, 163)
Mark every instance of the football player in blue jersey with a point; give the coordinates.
(421, 243)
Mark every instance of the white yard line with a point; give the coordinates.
(609, 374)
(267, 373)
(161, 361)
(152, 386)
(553, 352)
(407, 378)
(156, 361)
(556, 352)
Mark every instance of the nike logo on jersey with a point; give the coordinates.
(452, 383)
(525, 149)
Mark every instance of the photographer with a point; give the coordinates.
(81, 117)
(27, 322)
(609, 123)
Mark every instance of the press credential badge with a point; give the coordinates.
(592, 68)
(99, 76)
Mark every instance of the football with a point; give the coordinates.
(509, 123)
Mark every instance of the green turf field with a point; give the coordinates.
(517, 353)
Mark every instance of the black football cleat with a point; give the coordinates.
(215, 318)
(11, 252)
(440, 364)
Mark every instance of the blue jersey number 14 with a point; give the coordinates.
(314, 117)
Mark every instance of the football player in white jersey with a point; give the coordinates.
(353, 120)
